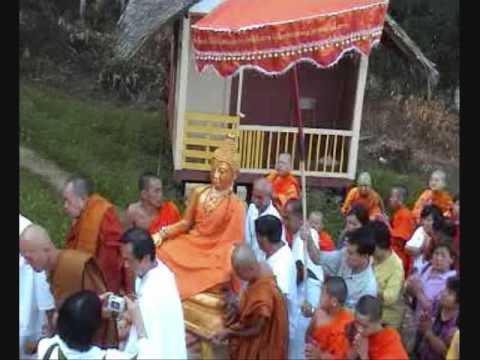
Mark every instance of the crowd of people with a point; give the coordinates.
(388, 288)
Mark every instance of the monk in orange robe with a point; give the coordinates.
(151, 212)
(402, 224)
(259, 328)
(69, 271)
(434, 195)
(95, 230)
(198, 247)
(367, 336)
(364, 194)
(325, 241)
(285, 185)
(326, 337)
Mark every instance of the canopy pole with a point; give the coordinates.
(301, 143)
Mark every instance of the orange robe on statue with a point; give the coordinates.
(97, 232)
(167, 214)
(200, 258)
(284, 188)
(386, 345)
(442, 199)
(372, 202)
(262, 299)
(402, 226)
(331, 336)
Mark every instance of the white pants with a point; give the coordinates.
(297, 342)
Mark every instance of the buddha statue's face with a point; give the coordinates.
(222, 175)
(437, 181)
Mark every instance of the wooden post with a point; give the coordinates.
(182, 93)
(357, 116)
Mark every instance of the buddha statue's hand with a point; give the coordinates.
(157, 239)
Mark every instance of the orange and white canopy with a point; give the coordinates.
(273, 35)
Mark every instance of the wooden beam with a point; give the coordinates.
(357, 116)
(410, 50)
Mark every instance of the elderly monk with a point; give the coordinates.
(365, 195)
(326, 338)
(369, 339)
(260, 327)
(151, 212)
(402, 224)
(197, 248)
(285, 185)
(95, 230)
(69, 271)
(434, 195)
(261, 205)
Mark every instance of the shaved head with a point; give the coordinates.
(336, 288)
(262, 194)
(263, 185)
(35, 246)
(370, 307)
(364, 179)
(438, 180)
(244, 262)
(284, 164)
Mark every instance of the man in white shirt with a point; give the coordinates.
(279, 257)
(158, 298)
(309, 289)
(261, 205)
(36, 301)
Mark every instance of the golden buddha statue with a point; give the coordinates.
(198, 248)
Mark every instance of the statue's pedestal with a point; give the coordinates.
(203, 315)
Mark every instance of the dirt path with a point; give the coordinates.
(46, 169)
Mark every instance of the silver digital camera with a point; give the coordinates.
(116, 304)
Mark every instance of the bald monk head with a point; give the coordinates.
(438, 180)
(364, 183)
(262, 194)
(37, 248)
(75, 195)
(398, 196)
(284, 164)
(334, 294)
(151, 189)
(368, 315)
(245, 263)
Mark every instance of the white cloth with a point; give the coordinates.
(94, 353)
(313, 295)
(285, 272)
(250, 234)
(35, 299)
(418, 238)
(162, 314)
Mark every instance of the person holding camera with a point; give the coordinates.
(79, 318)
(158, 298)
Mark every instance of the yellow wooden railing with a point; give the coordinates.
(203, 133)
(327, 150)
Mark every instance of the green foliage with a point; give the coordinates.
(40, 204)
(111, 145)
